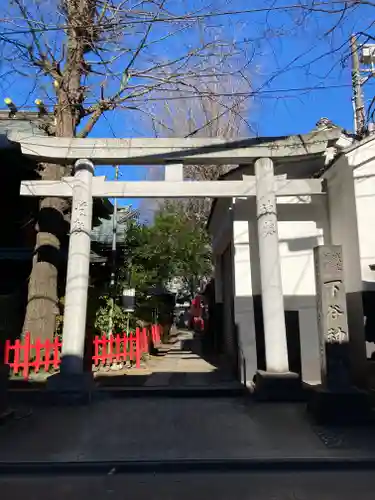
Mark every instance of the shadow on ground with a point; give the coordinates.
(175, 429)
(181, 423)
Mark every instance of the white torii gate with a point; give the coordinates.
(83, 187)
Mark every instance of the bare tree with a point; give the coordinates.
(321, 32)
(345, 26)
(89, 57)
(218, 107)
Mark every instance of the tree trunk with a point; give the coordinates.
(42, 303)
(42, 306)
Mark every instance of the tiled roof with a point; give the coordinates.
(103, 232)
(28, 123)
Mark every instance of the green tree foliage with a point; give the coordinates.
(173, 248)
(102, 317)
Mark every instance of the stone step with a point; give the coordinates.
(35, 396)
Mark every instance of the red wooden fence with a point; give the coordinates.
(25, 356)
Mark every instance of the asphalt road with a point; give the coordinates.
(346, 485)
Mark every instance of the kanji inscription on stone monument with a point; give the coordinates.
(332, 315)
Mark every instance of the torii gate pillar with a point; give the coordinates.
(72, 381)
(77, 279)
(270, 269)
(277, 382)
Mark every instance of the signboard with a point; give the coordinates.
(128, 300)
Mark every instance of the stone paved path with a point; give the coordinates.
(170, 428)
(185, 366)
(181, 364)
(160, 429)
(118, 427)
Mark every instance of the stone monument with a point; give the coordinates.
(337, 400)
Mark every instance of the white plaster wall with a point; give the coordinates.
(343, 220)
(345, 217)
(297, 239)
(364, 188)
(301, 228)
(302, 225)
(362, 161)
(351, 188)
(243, 238)
(350, 185)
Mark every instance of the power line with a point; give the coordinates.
(170, 19)
(247, 94)
(263, 85)
(261, 93)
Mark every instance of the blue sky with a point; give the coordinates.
(304, 59)
(298, 64)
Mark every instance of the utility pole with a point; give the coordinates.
(358, 104)
(113, 261)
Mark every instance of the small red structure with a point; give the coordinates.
(25, 356)
(196, 311)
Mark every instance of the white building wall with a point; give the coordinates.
(302, 225)
(300, 230)
(244, 288)
(221, 230)
(345, 217)
(343, 220)
(349, 185)
(362, 162)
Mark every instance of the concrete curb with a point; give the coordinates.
(187, 466)
(35, 395)
(175, 392)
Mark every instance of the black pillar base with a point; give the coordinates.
(70, 389)
(278, 386)
(352, 406)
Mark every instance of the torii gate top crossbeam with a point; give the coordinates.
(160, 151)
(172, 189)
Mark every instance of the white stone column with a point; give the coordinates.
(271, 285)
(77, 278)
